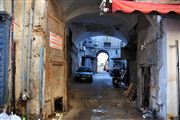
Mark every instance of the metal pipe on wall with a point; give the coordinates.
(29, 56)
(2, 5)
(23, 69)
(13, 61)
(41, 99)
(177, 74)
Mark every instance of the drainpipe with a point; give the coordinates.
(41, 81)
(177, 75)
(2, 8)
(29, 56)
(13, 61)
(22, 48)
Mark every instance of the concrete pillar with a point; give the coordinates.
(2, 8)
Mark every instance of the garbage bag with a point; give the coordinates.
(14, 117)
(4, 116)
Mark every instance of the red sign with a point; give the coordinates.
(56, 41)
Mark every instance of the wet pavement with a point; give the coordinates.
(99, 101)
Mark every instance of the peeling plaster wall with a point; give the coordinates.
(18, 31)
(151, 53)
(48, 16)
(76, 31)
(56, 64)
(161, 89)
(129, 53)
(132, 66)
(37, 38)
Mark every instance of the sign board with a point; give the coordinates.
(56, 41)
(160, 1)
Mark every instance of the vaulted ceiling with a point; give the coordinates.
(87, 13)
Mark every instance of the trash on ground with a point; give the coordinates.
(148, 113)
(4, 116)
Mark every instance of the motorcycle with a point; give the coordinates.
(118, 77)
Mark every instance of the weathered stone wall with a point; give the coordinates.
(56, 64)
(18, 38)
(75, 46)
(132, 67)
(129, 53)
(150, 49)
(48, 65)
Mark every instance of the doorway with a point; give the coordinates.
(102, 62)
(58, 104)
(146, 86)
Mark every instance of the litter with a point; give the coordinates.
(148, 113)
(4, 116)
(14, 117)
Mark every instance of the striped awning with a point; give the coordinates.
(144, 7)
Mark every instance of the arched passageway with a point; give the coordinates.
(138, 34)
(102, 62)
(96, 40)
(147, 44)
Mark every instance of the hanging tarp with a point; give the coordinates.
(146, 8)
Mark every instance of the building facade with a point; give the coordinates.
(45, 47)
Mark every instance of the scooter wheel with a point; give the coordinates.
(115, 84)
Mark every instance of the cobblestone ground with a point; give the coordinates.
(99, 101)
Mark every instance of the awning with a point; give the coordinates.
(146, 8)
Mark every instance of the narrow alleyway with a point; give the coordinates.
(45, 43)
(99, 100)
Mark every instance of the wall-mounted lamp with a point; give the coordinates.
(104, 6)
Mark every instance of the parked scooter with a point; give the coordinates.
(116, 78)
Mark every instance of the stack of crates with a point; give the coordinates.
(5, 24)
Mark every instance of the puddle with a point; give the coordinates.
(98, 114)
(100, 96)
(95, 118)
(100, 110)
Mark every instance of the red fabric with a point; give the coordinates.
(146, 8)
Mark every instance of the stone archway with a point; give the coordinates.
(102, 58)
